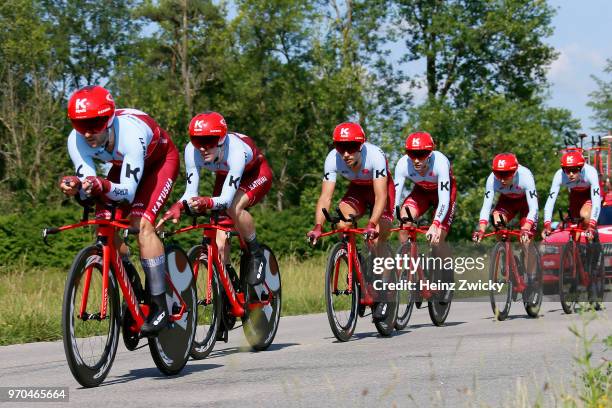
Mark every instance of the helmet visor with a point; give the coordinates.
(572, 169)
(347, 147)
(205, 142)
(418, 154)
(502, 175)
(90, 125)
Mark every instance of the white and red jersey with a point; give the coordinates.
(138, 141)
(588, 179)
(373, 166)
(239, 155)
(437, 177)
(522, 186)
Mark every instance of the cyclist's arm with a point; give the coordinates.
(132, 170)
(381, 192)
(400, 174)
(442, 169)
(593, 178)
(532, 197)
(552, 197)
(487, 203)
(327, 188)
(236, 163)
(327, 192)
(83, 161)
(192, 171)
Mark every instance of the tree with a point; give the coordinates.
(601, 102)
(472, 47)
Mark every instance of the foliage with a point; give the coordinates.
(284, 72)
(601, 102)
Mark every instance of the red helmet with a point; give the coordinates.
(91, 109)
(419, 141)
(572, 159)
(505, 162)
(207, 129)
(349, 132)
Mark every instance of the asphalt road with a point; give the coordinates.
(472, 361)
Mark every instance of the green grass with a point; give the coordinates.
(31, 298)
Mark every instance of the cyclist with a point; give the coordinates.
(518, 196)
(582, 182)
(434, 186)
(371, 187)
(131, 141)
(243, 178)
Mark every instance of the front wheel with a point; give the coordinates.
(171, 347)
(408, 294)
(568, 275)
(498, 273)
(263, 303)
(209, 312)
(90, 341)
(536, 287)
(341, 301)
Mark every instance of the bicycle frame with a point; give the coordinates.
(348, 234)
(110, 256)
(209, 239)
(575, 233)
(510, 263)
(413, 231)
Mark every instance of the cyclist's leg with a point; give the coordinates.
(153, 192)
(416, 203)
(254, 187)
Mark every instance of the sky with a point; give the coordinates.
(583, 38)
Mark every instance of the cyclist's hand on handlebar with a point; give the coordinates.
(314, 234)
(370, 231)
(589, 234)
(199, 204)
(526, 235)
(547, 230)
(478, 235)
(96, 186)
(433, 233)
(70, 185)
(174, 214)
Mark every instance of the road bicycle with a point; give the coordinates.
(422, 280)
(91, 315)
(348, 291)
(510, 270)
(224, 296)
(578, 283)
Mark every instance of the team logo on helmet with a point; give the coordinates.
(501, 163)
(198, 124)
(416, 142)
(80, 106)
(344, 132)
(570, 160)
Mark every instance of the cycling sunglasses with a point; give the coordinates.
(205, 142)
(501, 175)
(572, 169)
(347, 147)
(91, 125)
(418, 154)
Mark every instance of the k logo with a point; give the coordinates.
(501, 163)
(570, 160)
(416, 142)
(80, 105)
(344, 132)
(198, 124)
